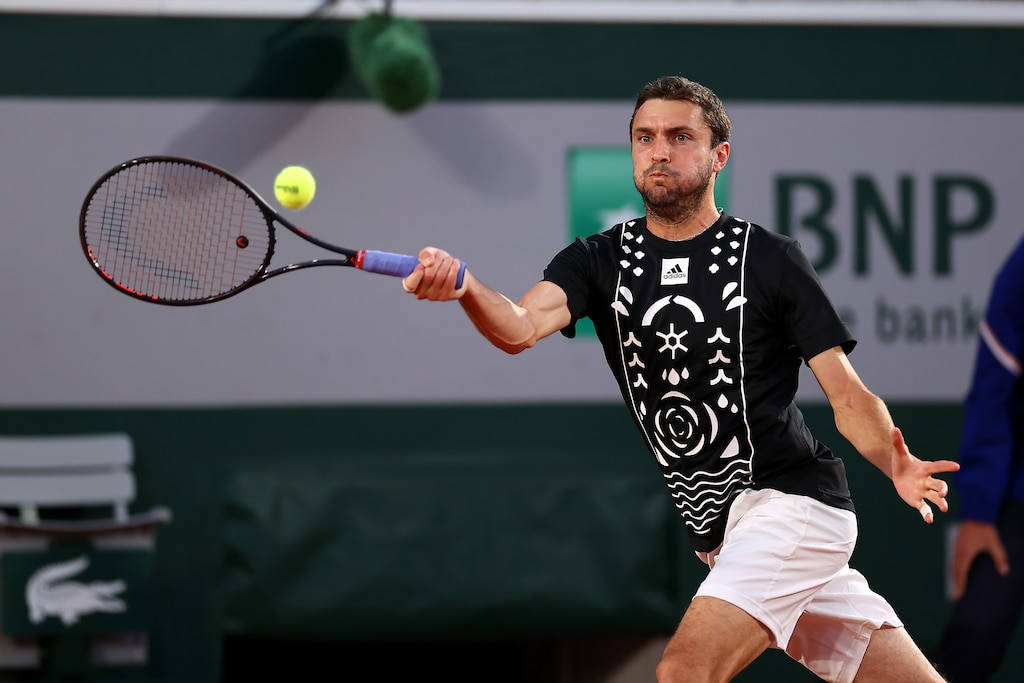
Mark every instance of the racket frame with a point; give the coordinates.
(350, 257)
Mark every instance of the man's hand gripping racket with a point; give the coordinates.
(177, 231)
(438, 276)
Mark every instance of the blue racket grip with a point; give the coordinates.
(399, 265)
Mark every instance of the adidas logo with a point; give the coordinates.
(675, 271)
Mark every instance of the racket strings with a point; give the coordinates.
(176, 232)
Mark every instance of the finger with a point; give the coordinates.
(926, 512)
(448, 279)
(999, 557)
(938, 486)
(413, 279)
(427, 255)
(453, 276)
(438, 277)
(434, 269)
(941, 466)
(936, 491)
(939, 499)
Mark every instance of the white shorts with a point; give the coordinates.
(784, 561)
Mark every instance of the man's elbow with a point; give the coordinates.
(513, 346)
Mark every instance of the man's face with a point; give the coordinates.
(672, 156)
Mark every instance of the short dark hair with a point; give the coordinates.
(679, 88)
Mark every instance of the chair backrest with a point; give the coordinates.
(66, 471)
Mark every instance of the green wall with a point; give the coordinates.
(91, 56)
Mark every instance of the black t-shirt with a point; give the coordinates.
(705, 338)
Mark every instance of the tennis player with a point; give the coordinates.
(705, 319)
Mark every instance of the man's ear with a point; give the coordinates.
(721, 156)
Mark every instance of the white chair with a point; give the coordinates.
(41, 477)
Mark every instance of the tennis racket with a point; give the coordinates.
(177, 231)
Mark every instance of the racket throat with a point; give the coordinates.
(357, 260)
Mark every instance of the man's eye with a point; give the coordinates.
(682, 138)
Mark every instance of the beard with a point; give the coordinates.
(678, 197)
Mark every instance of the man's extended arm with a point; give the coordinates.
(864, 420)
(511, 327)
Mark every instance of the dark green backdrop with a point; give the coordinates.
(447, 522)
(93, 56)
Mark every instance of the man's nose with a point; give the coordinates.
(660, 150)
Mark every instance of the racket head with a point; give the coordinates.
(176, 231)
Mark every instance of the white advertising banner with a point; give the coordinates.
(906, 211)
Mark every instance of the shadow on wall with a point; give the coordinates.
(301, 66)
(307, 67)
(478, 149)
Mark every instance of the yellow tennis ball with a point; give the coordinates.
(294, 187)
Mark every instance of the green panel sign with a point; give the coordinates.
(602, 194)
(75, 589)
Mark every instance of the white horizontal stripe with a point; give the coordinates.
(726, 485)
(694, 509)
(1002, 354)
(701, 473)
(862, 12)
(698, 528)
(713, 511)
(712, 487)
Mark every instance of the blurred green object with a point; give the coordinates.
(360, 40)
(393, 59)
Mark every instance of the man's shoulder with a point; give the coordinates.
(605, 243)
(761, 238)
(613, 235)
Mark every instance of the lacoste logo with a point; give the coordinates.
(48, 593)
(675, 271)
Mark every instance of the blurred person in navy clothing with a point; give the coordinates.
(988, 558)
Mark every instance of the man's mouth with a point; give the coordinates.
(658, 173)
